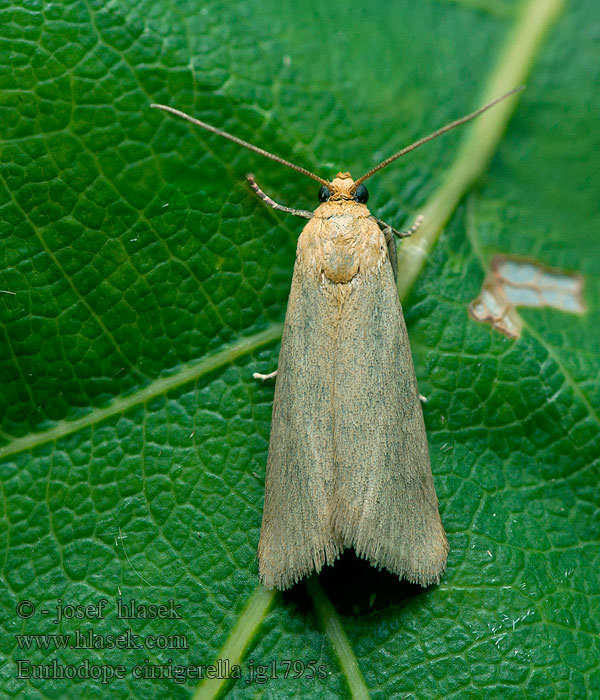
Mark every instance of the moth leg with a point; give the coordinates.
(279, 207)
(264, 377)
(401, 234)
(390, 234)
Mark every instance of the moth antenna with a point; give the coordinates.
(240, 142)
(437, 133)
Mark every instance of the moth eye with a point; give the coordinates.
(361, 194)
(324, 193)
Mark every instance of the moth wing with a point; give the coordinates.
(385, 504)
(295, 537)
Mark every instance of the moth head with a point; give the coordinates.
(343, 188)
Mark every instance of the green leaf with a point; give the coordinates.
(143, 284)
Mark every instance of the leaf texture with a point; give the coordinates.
(142, 283)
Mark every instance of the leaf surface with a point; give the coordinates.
(142, 283)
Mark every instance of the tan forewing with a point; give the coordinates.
(296, 537)
(385, 505)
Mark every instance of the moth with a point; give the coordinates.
(348, 463)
